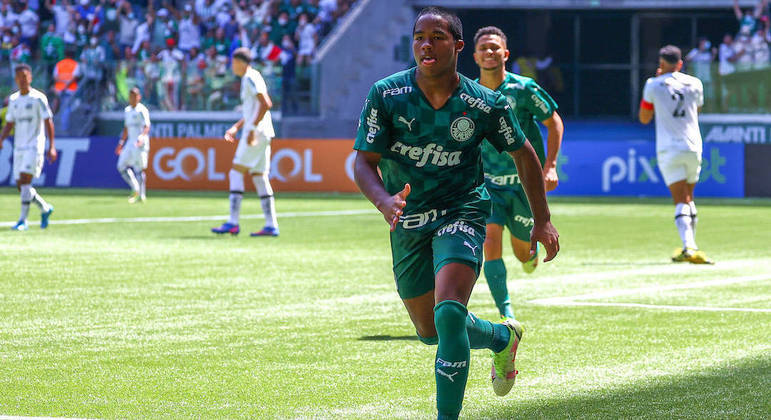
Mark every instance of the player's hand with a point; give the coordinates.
(230, 135)
(251, 138)
(52, 155)
(140, 141)
(546, 234)
(550, 178)
(392, 208)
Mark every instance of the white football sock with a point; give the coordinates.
(26, 197)
(38, 200)
(131, 180)
(141, 180)
(694, 216)
(236, 195)
(265, 191)
(683, 223)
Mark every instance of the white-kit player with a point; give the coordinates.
(253, 151)
(31, 118)
(134, 146)
(676, 99)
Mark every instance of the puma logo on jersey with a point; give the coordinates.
(407, 123)
(471, 247)
(448, 376)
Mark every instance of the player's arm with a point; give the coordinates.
(371, 185)
(737, 10)
(554, 131)
(121, 140)
(645, 114)
(506, 135)
(265, 105)
(372, 138)
(145, 129)
(49, 125)
(529, 170)
(759, 8)
(6, 130)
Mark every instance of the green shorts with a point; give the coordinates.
(419, 254)
(511, 209)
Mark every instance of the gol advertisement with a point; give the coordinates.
(296, 165)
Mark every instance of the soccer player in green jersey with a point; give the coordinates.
(422, 128)
(510, 205)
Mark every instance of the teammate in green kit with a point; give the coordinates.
(510, 206)
(422, 128)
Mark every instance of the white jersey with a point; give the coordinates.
(27, 113)
(676, 98)
(135, 120)
(251, 84)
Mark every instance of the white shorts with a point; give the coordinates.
(27, 161)
(132, 157)
(256, 158)
(679, 165)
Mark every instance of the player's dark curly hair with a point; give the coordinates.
(453, 21)
(490, 30)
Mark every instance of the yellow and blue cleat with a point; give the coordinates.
(693, 256)
(504, 372)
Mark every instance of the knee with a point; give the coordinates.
(449, 317)
(429, 341)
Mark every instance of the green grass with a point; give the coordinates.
(165, 320)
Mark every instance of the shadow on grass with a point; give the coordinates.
(388, 338)
(737, 389)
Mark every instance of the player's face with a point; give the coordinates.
(23, 79)
(434, 47)
(134, 98)
(239, 67)
(490, 52)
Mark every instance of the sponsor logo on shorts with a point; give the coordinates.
(452, 228)
(506, 130)
(430, 152)
(462, 129)
(511, 179)
(397, 91)
(525, 221)
(372, 125)
(477, 103)
(414, 221)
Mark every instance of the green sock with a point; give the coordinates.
(495, 273)
(483, 334)
(452, 357)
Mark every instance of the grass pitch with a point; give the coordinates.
(145, 314)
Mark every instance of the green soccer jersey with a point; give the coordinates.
(531, 104)
(436, 151)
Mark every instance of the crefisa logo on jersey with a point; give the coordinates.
(462, 129)
(477, 103)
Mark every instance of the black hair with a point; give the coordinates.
(243, 54)
(22, 66)
(670, 54)
(453, 21)
(490, 30)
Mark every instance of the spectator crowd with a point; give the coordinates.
(741, 52)
(176, 51)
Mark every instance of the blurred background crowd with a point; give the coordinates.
(734, 63)
(176, 51)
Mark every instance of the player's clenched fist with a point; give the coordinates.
(392, 209)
